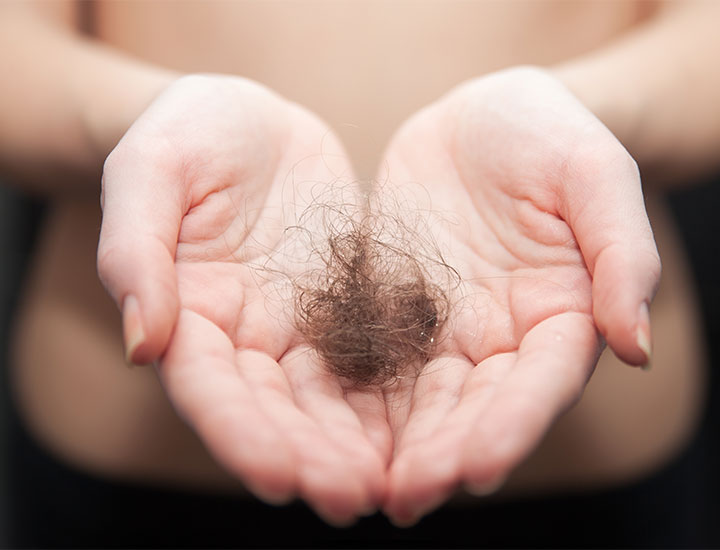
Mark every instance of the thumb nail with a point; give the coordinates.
(134, 334)
(486, 488)
(643, 336)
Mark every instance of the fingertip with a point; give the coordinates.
(484, 488)
(407, 513)
(140, 276)
(150, 314)
(631, 338)
(339, 521)
(277, 492)
(377, 495)
(337, 508)
(482, 478)
(623, 287)
(146, 333)
(260, 459)
(416, 491)
(404, 521)
(497, 448)
(369, 509)
(133, 330)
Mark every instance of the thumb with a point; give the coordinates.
(142, 211)
(605, 207)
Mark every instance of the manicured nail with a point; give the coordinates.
(132, 328)
(643, 337)
(485, 488)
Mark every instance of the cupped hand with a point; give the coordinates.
(545, 224)
(196, 200)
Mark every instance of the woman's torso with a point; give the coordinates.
(364, 66)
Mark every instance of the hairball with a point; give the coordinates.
(372, 311)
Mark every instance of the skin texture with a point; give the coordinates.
(528, 183)
(204, 219)
(71, 100)
(530, 175)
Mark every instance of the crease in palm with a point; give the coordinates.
(517, 348)
(345, 447)
(480, 407)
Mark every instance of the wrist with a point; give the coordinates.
(111, 103)
(611, 101)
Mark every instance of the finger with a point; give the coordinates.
(605, 208)
(199, 373)
(325, 479)
(142, 211)
(426, 469)
(554, 362)
(371, 410)
(321, 397)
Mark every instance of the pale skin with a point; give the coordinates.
(581, 220)
(526, 167)
(516, 357)
(231, 366)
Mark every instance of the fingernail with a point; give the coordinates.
(273, 498)
(132, 328)
(485, 488)
(368, 510)
(338, 521)
(643, 337)
(422, 508)
(405, 521)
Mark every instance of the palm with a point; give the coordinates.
(218, 169)
(235, 368)
(264, 405)
(521, 342)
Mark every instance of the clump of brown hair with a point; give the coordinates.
(372, 311)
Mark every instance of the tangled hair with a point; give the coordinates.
(372, 310)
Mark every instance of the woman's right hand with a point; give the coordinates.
(196, 200)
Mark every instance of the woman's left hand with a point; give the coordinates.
(550, 237)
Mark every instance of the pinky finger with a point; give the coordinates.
(554, 362)
(199, 374)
